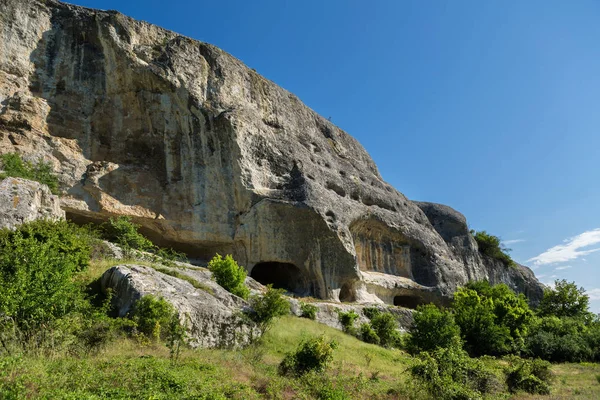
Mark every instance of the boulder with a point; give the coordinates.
(209, 156)
(22, 200)
(211, 315)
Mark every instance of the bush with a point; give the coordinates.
(229, 275)
(123, 231)
(313, 354)
(266, 308)
(368, 334)
(371, 312)
(38, 263)
(347, 320)
(565, 300)
(451, 374)
(433, 328)
(308, 311)
(14, 166)
(562, 340)
(154, 317)
(493, 320)
(386, 327)
(531, 376)
(491, 246)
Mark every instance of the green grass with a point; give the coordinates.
(126, 369)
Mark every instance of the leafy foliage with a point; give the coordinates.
(14, 166)
(229, 275)
(347, 320)
(371, 312)
(268, 307)
(123, 231)
(308, 311)
(38, 263)
(531, 376)
(368, 334)
(154, 316)
(493, 320)
(565, 300)
(433, 328)
(491, 246)
(313, 354)
(386, 327)
(449, 373)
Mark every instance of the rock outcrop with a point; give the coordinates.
(23, 201)
(211, 157)
(211, 315)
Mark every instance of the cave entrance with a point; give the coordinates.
(408, 301)
(347, 294)
(281, 275)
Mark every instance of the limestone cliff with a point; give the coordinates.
(211, 157)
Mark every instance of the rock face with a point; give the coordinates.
(210, 313)
(211, 157)
(23, 201)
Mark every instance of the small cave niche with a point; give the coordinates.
(347, 295)
(408, 301)
(281, 275)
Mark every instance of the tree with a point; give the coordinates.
(493, 319)
(565, 300)
(433, 328)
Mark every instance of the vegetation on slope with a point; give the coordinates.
(491, 246)
(70, 348)
(13, 166)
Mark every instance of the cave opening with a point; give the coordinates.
(281, 275)
(407, 301)
(347, 295)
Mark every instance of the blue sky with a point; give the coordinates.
(489, 107)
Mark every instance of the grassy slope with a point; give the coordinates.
(127, 370)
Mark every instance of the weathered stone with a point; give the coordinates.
(22, 200)
(210, 313)
(211, 157)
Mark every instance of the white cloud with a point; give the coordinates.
(594, 294)
(541, 276)
(512, 241)
(563, 267)
(570, 250)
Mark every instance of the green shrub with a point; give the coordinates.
(347, 320)
(386, 327)
(313, 354)
(308, 311)
(563, 340)
(371, 312)
(432, 328)
(493, 320)
(38, 263)
(14, 166)
(123, 231)
(565, 300)
(229, 275)
(491, 246)
(531, 376)
(451, 374)
(268, 307)
(154, 317)
(368, 334)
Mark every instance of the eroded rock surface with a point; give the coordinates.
(22, 201)
(210, 313)
(211, 157)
